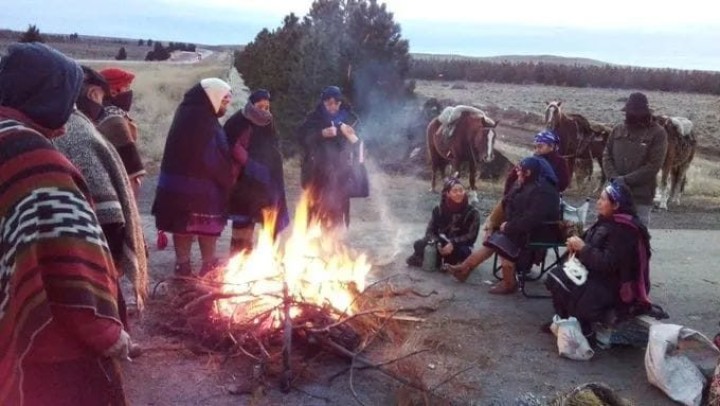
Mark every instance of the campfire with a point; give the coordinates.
(311, 271)
(288, 301)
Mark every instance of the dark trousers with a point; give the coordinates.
(459, 254)
(588, 303)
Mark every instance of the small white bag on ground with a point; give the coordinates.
(570, 339)
(669, 365)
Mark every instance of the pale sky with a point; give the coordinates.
(662, 33)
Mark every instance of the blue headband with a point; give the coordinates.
(546, 137)
(450, 182)
(614, 193)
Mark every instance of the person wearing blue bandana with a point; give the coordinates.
(616, 252)
(532, 202)
(327, 137)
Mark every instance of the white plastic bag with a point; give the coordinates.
(570, 340)
(669, 368)
(575, 270)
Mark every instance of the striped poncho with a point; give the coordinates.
(57, 280)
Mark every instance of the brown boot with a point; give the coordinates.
(508, 284)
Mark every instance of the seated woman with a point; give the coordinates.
(454, 218)
(531, 203)
(616, 253)
(546, 145)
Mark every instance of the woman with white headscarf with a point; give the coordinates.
(197, 172)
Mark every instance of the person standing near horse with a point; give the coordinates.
(454, 219)
(327, 137)
(635, 152)
(198, 170)
(261, 185)
(118, 127)
(60, 332)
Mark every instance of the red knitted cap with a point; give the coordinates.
(117, 78)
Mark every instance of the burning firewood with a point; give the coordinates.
(280, 300)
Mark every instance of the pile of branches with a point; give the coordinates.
(279, 345)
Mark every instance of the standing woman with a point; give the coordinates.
(118, 127)
(197, 172)
(327, 137)
(261, 183)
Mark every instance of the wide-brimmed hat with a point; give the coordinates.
(637, 103)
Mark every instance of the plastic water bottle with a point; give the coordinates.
(430, 254)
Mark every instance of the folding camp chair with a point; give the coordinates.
(568, 214)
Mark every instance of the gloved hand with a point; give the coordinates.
(240, 153)
(121, 348)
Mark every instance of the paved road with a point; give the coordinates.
(497, 335)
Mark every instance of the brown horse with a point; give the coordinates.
(680, 153)
(591, 148)
(472, 141)
(569, 128)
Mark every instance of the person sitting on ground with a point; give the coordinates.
(532, 202)
(616, 253)
(261, 185)
(546, 146)
(456, 220)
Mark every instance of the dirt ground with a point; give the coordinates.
(498, 338)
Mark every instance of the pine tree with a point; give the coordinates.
(32, 34)
(141, 42)
(121, 55)
(351, 43)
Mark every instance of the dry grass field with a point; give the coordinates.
(526, 104)
(523, 106)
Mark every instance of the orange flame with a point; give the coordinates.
(316, 268)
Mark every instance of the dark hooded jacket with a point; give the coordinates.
(327, 162)
(261, 184)
(616, 255)
(197, 170)
(528, 207)
(559, 166)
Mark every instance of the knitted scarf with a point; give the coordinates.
(110, 189)
(257, 116)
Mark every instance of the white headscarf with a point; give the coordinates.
(215, 89)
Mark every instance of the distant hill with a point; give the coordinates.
(550, 59)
